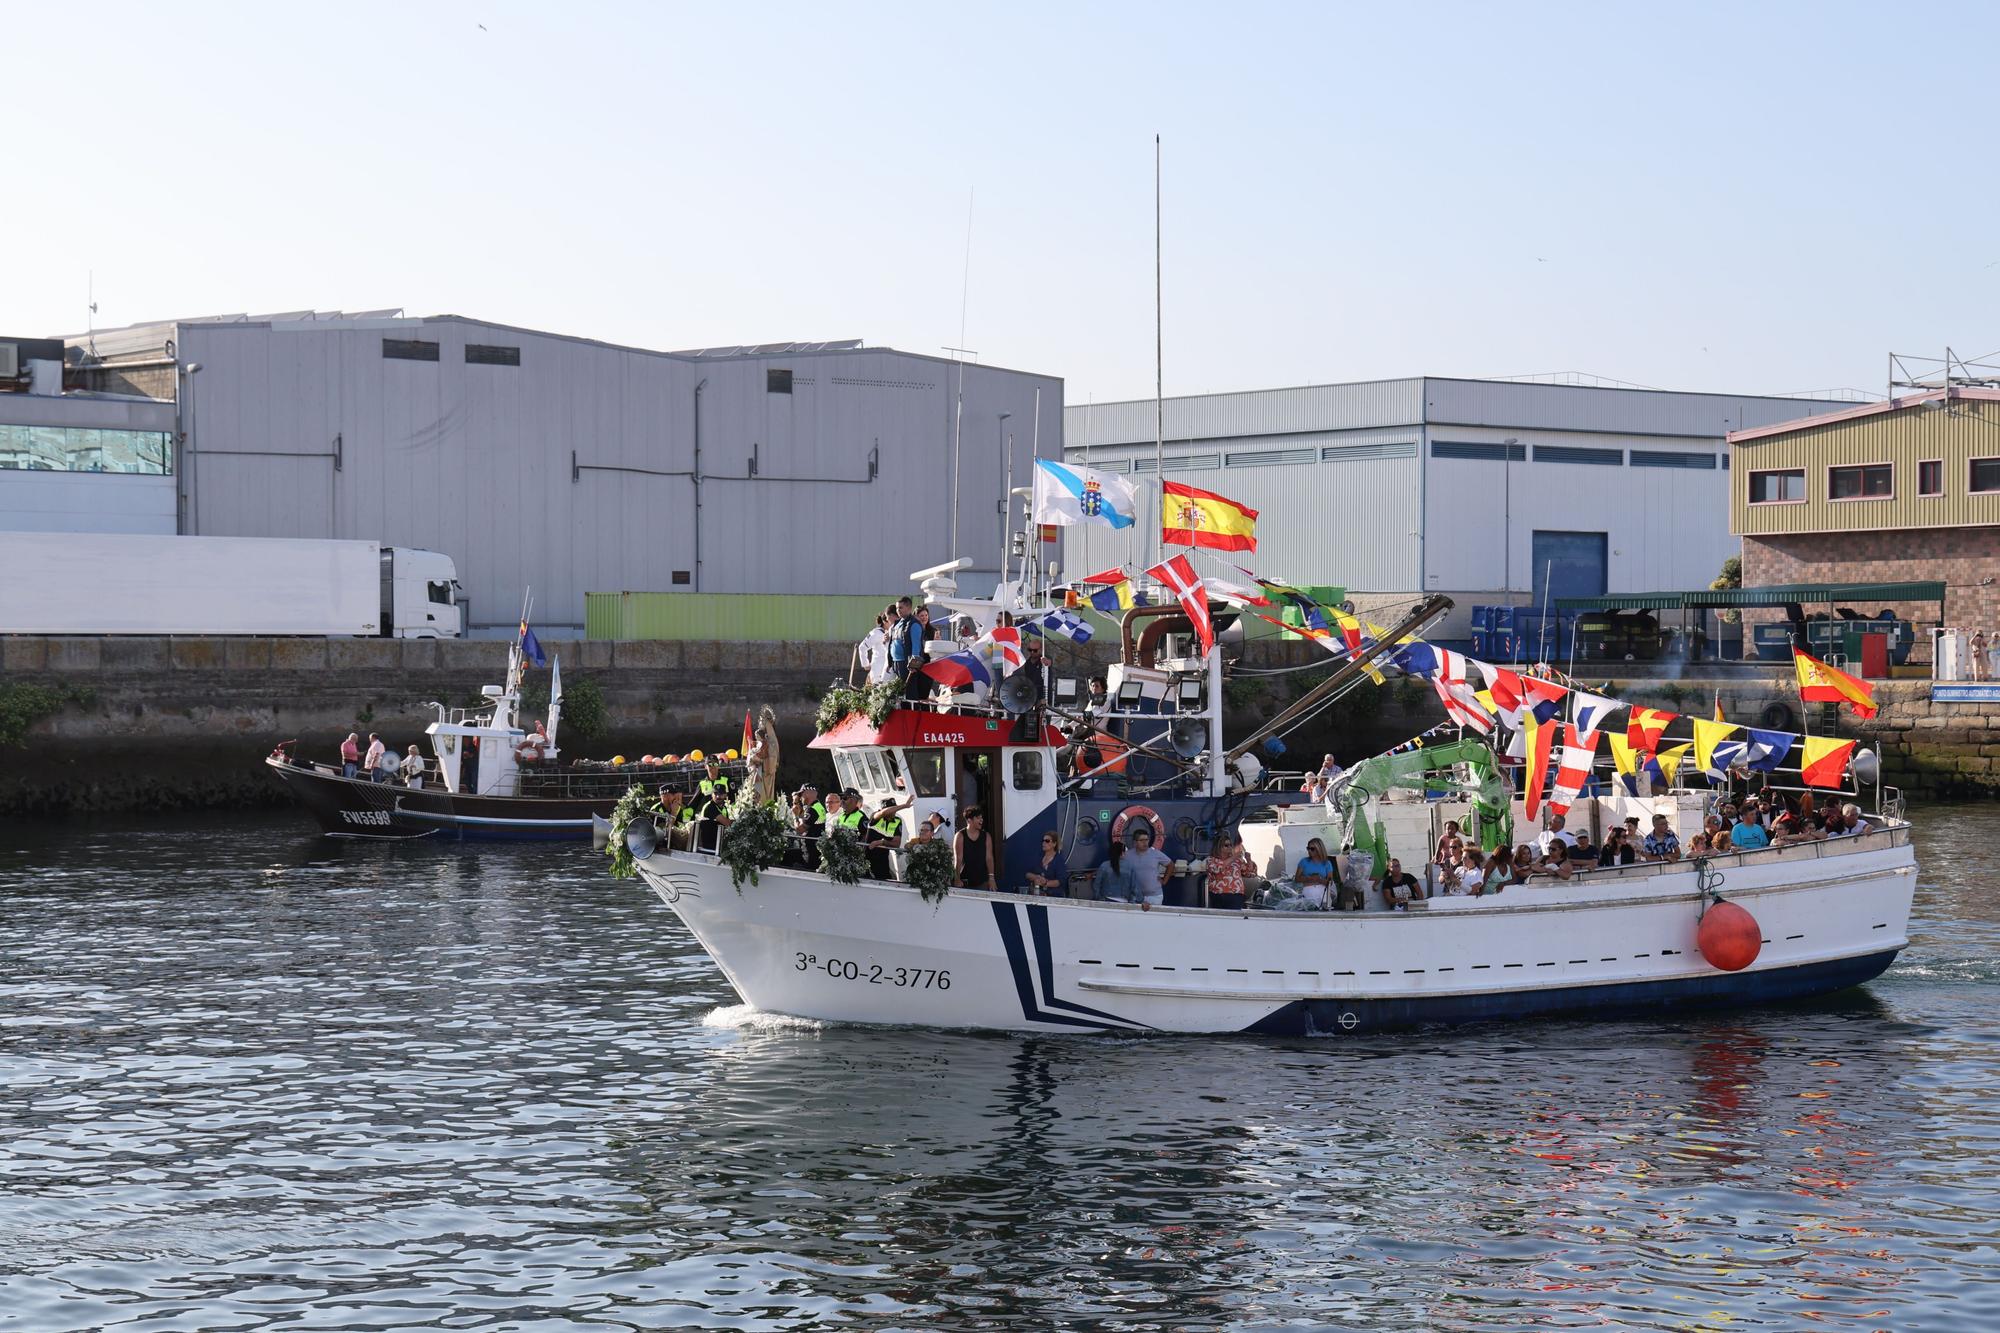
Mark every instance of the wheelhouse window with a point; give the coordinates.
(878, 780)
(926, 771)
(1027, 770)
(1866, 481)
(1984, 476)
(1778, 486)
(1930, 477)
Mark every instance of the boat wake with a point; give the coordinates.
(748, 1018)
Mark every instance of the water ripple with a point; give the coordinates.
(252, 1079)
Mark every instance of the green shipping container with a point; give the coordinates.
(729, 617)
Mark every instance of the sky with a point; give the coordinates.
(1762, 198)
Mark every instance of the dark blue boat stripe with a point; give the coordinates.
(1720, 990)
(1038, 927)
(1024, 985)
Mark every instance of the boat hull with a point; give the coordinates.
(1833, 915)
(356, 808)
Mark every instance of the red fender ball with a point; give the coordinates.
(1729, 937)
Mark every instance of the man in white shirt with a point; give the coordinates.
(1554, 833)
(373, 762)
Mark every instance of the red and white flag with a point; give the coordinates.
(1578, 752)
(1461, 697)
(1004, 644)
(1179, 575)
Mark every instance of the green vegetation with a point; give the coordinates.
(873, 702)
(927, 868)
(841, 857)
(23, 705)
(584, 709)
(753, 841)
(1731, 577)
(632, 805)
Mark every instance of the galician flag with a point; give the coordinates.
(1066, 495)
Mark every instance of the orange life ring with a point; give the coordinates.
(1145, 812)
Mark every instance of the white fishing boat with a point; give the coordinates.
(1822, 915)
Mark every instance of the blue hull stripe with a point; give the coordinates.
(1722, 990)
(1005, 917)
(1038, 926)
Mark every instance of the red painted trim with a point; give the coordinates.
(923, 729)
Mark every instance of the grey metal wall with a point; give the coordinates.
(475, 460)
(1359, 501)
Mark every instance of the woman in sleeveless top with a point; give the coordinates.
(972, 851)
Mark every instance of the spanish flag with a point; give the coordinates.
(1193, 517)
(1820, 683)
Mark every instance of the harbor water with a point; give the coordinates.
(252, 1077)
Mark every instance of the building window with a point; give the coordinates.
(147, 453)
(408, 349)
(1983, 476)
(1670, 458)
(682, 577)
(1864, 481)
(1778, 486)
(777, 381)
(1273, 457)
(486, 354)
(1572, 453)
(1930, 477)
(1472, 449)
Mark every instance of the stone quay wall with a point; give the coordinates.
(177, 723)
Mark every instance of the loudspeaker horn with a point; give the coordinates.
(1017, 693)
(1188, 736)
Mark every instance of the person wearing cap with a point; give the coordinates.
(808, 822)
(715, 786)
(929, 827)
(884, 835)
(851, 816)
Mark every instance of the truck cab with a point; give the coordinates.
(421, 596)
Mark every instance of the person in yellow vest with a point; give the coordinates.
(715, 786)
(885, 835)
(851, 816)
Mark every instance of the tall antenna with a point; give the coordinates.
(958, 414)
(1159, 355)
(90, 339)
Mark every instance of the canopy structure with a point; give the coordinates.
(1777, 594)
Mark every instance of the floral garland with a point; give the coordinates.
(841, 857)
(928, 868)
(874, 702)
(632, 805)
(754, 840)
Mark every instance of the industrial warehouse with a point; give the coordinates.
(1490, 491)
(533, 460)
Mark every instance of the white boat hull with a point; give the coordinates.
(1833, 915)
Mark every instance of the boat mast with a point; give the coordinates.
(1159, 354)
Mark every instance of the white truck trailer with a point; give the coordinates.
(109, 583)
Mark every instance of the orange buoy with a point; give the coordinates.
(1729, 937)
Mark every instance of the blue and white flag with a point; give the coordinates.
(1592, 709)
(1066, 623)
(1066, 496)
(1765, 750)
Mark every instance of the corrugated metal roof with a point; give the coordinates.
(1637, 601)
